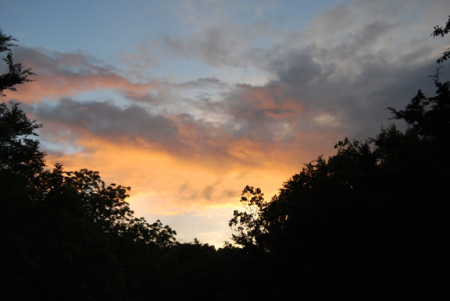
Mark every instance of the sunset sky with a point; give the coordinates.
(188, 101)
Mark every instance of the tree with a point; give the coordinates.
(441, 31)
(428, 117)
(16, 74)
(140, 231)
(18, 153)
(248, 224)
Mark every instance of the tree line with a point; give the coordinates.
(369, 222)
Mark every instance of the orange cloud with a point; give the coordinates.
(171, 180)
(273, 98)
(57, 86)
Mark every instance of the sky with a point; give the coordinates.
(189, 101)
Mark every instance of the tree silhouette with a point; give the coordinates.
(248, 224)
(442, 31)
(16, 74)
(18, 153)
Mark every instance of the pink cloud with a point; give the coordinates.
(67, 74)
(57, 86)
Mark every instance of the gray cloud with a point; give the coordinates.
(67, 74)
(343, 70)
(107, 120)
(205, 82)
(228, 45)
(356, 69)
(207, 192)
(59, 63)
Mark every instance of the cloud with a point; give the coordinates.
(109, 121)
(338, 74)
(220, 45)
(70, 121)
(171, 183)
(351, 63)
(204, 82)
(68, 74)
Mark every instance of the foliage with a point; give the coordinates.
(18, 154)
(441, 31)
(16, 74)
(248, 224)
(139, 230)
